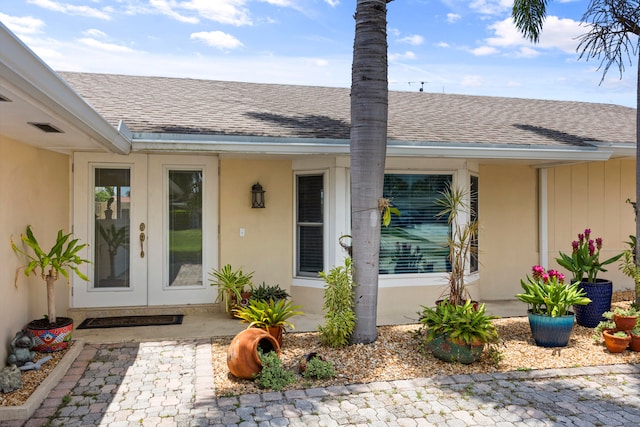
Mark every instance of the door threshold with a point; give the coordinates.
(80, 314)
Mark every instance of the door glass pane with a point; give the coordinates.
(112, 202)
(185, 228)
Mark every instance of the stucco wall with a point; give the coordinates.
(34, 190)
(266, 248)
(592, 195)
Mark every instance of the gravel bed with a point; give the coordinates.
(396, 355)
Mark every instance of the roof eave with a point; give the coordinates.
(309, 146)
(27, 73)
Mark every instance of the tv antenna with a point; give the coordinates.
(421, 85)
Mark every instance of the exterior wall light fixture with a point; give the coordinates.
(257, 196)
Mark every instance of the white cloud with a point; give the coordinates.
(527, 52)
(557, 34)
(484, 50)
(232, 12)
(106, 47)
(472, 80)
(167, 8)
(453, 18)
(71, 9)
(92, 32)
(217, 39)
(332, 3)
(415, 40)
(491, 7)
(22, 26)
(400, 56)
(443, 44)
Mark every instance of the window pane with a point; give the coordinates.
(415, 241)
(310, 228)
(112, 201)
(473, 263)
(185, 228)
(310, 195)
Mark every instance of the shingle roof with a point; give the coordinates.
(190, 106)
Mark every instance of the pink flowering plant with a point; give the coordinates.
(546, 293)
(585, 258)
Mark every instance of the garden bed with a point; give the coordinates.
(396, 355)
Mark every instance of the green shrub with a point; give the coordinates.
(273, 375)
(266, 292)
(340, 318)
(318, 368)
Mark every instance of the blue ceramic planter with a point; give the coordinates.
(551, 331)
(600, 293)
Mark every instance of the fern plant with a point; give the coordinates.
(340, 318)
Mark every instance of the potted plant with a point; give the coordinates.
(634, 345)
(233, 286)
(624, 318)
(453, 202)
(549, 299)
(266, 292)
(52, 332)
(272, 316)
(584, 263)
(616, 341)
(629, 267)
(457, 332)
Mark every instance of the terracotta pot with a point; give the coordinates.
(51, 337)
(634, 345)
(616, 344)
(624, 323)
(276, 332)
(242, 356)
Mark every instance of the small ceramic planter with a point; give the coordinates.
(624, 323)
(616, 344)
(550, 331)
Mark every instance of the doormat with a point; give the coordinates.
(130, 321)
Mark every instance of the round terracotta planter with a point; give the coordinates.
(276, 332)
(625, 323)
(51, 337)
(242, 356)
(634, 345)
(616, 344)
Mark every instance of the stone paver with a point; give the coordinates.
(171, 384)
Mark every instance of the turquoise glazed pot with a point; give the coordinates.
(445, 349)
(550, 331)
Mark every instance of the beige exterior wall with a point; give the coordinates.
(508, 237)
(266, 248)
(593, 195)
(34, 190)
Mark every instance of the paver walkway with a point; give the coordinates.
(171, 384)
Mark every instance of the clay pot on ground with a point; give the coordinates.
(614, 343)
(634, 345)
(624, 323)
(242, 356)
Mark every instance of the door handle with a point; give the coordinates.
(142, 238)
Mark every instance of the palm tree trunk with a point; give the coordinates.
(369, 112)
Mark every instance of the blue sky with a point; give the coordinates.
(453, 46)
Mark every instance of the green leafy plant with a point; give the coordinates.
(62, 256)
(268, 314)
(273, 375)
(629, 267)
(339, 315)
(453, 202)
(230, 284)
(266, 292)
(546, 293)
(585, 258)
(461, 322)
(320, 369)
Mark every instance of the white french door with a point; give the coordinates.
(151, 224)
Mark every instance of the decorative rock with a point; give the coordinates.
(30, 365)
(21, 346)
(10, 379)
